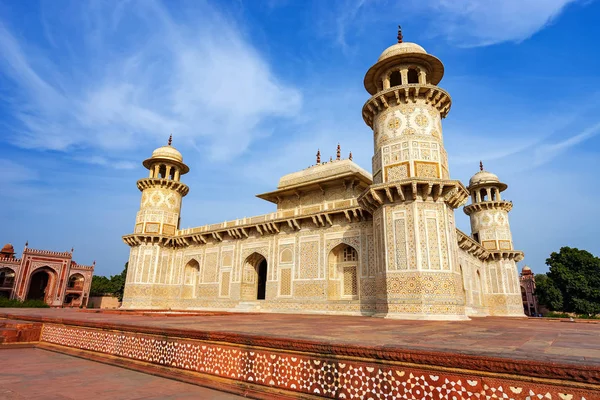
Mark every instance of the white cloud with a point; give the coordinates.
(135, 74)
(350, 11)
(546, 152)
(106, 162)
(464, 23)
(13, 172)
(487, 22)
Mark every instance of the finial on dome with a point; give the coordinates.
(170, 139)
(339, 152)
(318, 156)
(399, 34)
(330, 158)
(350, 156)
(72, 250)
(481, 165)
(26, 243)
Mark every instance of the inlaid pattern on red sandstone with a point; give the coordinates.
(345, 379)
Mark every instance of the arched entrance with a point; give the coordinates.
(254, 278)
(343, 273)
(39, 285)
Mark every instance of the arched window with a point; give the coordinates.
(190, 278)
(72, 300)
(413, 76)
(76, 282)
(343, 273)
(191, 272)
(395, 79)
(7, 278)
(286, 256)
(172, 173)
(349, 254)
(162, 171)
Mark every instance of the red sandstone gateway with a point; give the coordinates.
(50, 276)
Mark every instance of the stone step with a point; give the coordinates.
(9, 335)
(248, 306)
(12, 331)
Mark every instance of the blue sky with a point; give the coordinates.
(251, 89)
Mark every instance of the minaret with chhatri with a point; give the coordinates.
(412, 198)
(489, 226)
(156, 223)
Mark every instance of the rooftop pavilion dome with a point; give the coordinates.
(483, 177)
(322, 174)
(8, 249)
(401, 48)
(167, 153)
(403, 53)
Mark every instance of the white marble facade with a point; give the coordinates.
(342, 241)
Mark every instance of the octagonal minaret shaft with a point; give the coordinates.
(405, 114)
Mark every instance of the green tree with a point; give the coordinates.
(119, 282)
(547, 293)
(573, 282)
(100, 285)
(114, 285)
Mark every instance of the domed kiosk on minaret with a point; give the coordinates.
(166, 162)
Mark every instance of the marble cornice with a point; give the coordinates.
(147, 183)
(452, 192)
(405, 94)
(471, 246)
(488, 205)
(514, 255)
(242, 228)
(136, 239)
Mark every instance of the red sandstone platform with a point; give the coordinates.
(557, 341)
(556, 357)
(36, 374)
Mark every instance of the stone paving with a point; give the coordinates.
(514, 338)
(35, 374)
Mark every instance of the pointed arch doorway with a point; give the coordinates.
(40, 284)
(254, 278)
